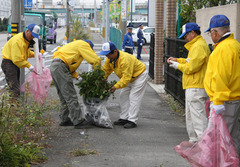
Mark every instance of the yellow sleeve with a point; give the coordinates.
(181, 60)
(17, 57)
(30, 53)
(74, 74)
(107, 69)
(221, 77)
(90, 56)
(127, 72)
(197, 57)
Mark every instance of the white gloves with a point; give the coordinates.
(79, 78)
(31, 68)
(219, 108)
(140, 44)
(174, 64)
(123, 50)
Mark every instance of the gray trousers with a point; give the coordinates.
(69, 107)
(230, 115)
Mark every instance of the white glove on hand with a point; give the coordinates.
(79, 78)
(31, 68)
(123, 50)
(219, 108)
(140, 44)
(174, 64)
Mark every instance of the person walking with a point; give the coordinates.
(133, 80)
(128, 45)
(15, 54)
(140, 41)
(193, 69)
(63, 68)
(222, 79)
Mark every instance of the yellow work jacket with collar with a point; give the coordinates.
(17, 50)
(194, 67)
(73, 54)
(127, 68)
(222, 79)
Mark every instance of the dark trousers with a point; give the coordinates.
(129, 50)
(12, 75)
(139, 51)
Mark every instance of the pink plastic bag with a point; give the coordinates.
(214, 149)
(38, 84)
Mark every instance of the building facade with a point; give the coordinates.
(5, 9)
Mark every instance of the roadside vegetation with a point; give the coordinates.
(22, 127)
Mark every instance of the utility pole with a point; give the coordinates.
(83, 14)
(103, 21)
(37, 4)
(95, 12)
(107, 21)
(68, 22)
(124, 17)
(17, 25)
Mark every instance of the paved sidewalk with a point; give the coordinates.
(149, 145)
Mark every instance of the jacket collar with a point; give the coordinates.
(225, 36)
(115, 60)
(190, 43)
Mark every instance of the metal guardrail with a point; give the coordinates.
(173, 78)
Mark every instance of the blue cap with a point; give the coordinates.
(140, 24)
(130, 25)
(187, 28)
(90, 42)
(34, 29)
(218, 21)
(107, 48)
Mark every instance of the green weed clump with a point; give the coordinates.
(22, 125)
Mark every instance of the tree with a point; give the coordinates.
(189, 7)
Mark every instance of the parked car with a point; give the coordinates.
(147, 31)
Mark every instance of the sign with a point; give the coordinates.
(28, 4)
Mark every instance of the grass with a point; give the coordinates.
(83, 152)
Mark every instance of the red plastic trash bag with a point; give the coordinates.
(38, 83)
(214, 149)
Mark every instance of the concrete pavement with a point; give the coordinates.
(149, 145)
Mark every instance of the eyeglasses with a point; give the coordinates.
(211, 31)
(185, 36)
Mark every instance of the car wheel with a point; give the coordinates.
(55, 39)
(144, 41)
(51, 41)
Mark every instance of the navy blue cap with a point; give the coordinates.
(218, 21)
(130, 25)
(90, 42)
(34, 29)
(107, 48)
(187, 28)
(140, 24)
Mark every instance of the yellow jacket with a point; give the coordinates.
(73, 54)
(127, 68)
(17, 50)
(222, 80)
(194, 67)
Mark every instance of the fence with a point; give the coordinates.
(116, 37)
(151, 56)
(173, 78)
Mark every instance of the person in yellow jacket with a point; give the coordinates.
(133, 80)
(15, 54)
(193, 69)
(222, 80)
(63, 68)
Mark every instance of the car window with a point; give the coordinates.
(149, 30)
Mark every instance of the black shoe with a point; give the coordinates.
(130, 125)
(83, 124)
(120, 122)
(68, 123)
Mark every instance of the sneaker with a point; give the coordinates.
(130, 125)
(83, 124)
(68, 123)
(120, 122)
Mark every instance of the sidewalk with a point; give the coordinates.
(149, 145)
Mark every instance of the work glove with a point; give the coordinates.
(31, 68)
(79, 78)
(219, 109)
(123, 50)
(174, 64)
(141, 44)
(187, 60)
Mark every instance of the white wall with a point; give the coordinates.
(232, 11)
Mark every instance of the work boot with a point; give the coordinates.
(130, 125)
(68, 123)
(120, 122)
